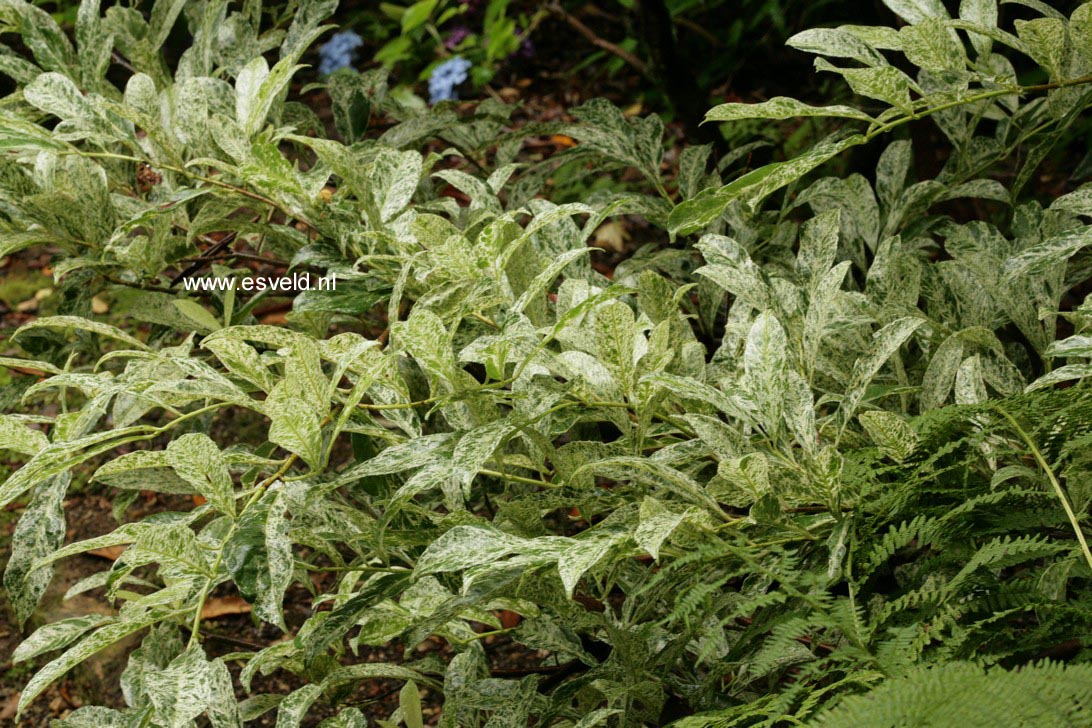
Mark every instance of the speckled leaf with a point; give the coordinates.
(781, 107)
(932, 46)
(891, 433)
(766, 362)
(819, 244)
(836, 43)
(1078, 202)
(980, 12)
(465, 546)
(584, 554)
(39, 532)
(657, 522)
(198, 461)
(1051, 252)
(917, 11)
(885, 343)
(183, 690)
(393, 181)
(81, 324)
(98, 640)
(56, 636)
(277, 567)
(936, 383)
(887, 84)
(293, 709)
(17, 437)
(241, 360)
(615, 330)
(1048, 42)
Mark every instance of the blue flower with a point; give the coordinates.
(445, 77)
(339, 52)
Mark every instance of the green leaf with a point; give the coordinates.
(693, 215)
(198, 461)
(417, 15)
(409, 700)
(203, 321)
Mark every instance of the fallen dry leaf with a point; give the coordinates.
(7, 712)
(223, 606)
(110, 553)
(611, 236)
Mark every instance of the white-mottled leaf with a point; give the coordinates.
(17, 437)
(465, 546)
(891, 433)
(270, 603)
(970, 385)
(766, 362)
(181, 691)
(656, 524)
(39, 532)
(932, 46)
(937, 381)
(781, 107)
(291, 711)
(917, 11)
(836, 43)
(82, 324)
(98, 640)
(56, 636)
(980, 12)
(885, 343)
(198, 461)
(1051, 252)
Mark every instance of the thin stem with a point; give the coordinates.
(1058, 490)
(195, 629)
(984, 96)
(517, 478)
(192, 175)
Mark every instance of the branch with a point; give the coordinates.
(612, 48)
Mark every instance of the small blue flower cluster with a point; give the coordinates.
(445, 77)
(339, 52)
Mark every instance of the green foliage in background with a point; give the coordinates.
(823, 459)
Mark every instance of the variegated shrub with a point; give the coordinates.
(822, 457)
